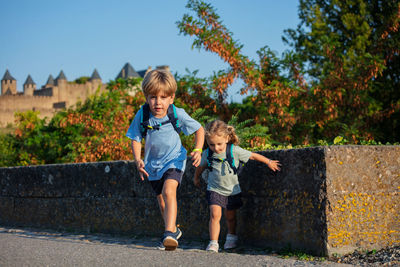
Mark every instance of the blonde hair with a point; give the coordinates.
(159, 81)
(220, 128)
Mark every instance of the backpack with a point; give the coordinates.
(144, 120)
(229, 158)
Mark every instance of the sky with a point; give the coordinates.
(43, 37)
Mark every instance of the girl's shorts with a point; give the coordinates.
(174, 174)
(227, 202)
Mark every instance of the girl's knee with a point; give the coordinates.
(215, 213)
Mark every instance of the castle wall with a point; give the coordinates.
(9, 104)
(46, 100)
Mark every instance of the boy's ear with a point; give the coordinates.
(172, 99)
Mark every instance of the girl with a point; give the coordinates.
(223, 190)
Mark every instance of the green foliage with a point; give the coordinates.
(90, 131)
(348, 50)
(81, 80)
(7, 150)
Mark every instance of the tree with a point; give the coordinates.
(349, 50)
(274, 93)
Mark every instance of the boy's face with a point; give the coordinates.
(217, 143)
(159, 104)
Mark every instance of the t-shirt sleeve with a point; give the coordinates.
(187, 123)
(134, 129)
(242, 154)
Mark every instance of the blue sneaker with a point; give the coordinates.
(178, 233)
(160, 245)
(169, 241)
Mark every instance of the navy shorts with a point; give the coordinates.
(227, 202)
(174, 174)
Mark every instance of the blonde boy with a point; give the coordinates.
(164, 156)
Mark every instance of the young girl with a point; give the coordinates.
(223, 190)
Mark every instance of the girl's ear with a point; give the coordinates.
(172, 99)
(227, 139)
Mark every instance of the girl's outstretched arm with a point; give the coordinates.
(272, 164)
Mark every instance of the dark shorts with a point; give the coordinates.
(174, 174)
(227, 202)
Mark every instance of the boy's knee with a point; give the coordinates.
(169, 192)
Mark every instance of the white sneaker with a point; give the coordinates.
(212, 246)
(231, 241)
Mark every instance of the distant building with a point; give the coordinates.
(55, 95)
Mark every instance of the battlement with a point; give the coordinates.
(55, 94)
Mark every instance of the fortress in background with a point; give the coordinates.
(55, 95)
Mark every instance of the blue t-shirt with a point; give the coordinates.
(163, 149)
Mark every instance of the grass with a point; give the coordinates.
(288, 252)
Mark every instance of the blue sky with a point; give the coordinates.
(43, 37)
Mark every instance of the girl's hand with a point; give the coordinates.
(196, 158)
(274, 165)
(140, 167)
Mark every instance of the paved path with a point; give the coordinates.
(23, 247)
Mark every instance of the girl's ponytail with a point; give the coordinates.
(233, 138)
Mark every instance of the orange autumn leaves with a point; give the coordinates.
(103, 130)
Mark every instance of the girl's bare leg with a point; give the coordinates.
(214, 225)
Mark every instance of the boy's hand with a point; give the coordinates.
(140, 167)
(196, 158)
(274, 165)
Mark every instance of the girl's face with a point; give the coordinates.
(217, 143)
(159, 104)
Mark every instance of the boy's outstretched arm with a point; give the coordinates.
(197, 174)
(136, 149)
(272, 164)
(199, 142)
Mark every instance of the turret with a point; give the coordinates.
(127, 72)
(61, 79)
(29, 86)
(50, 81)
(8, 84)
(95, 76)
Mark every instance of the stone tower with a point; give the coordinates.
(29, 86)
(50, 81)
(95, 79)
(8, 84)
(61, 79)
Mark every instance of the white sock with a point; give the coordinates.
(214, 242)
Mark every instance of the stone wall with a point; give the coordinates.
(43, 100)
(325, 200)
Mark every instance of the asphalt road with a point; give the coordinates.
(26, 247)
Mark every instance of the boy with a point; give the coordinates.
(164, 156)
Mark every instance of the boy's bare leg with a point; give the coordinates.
(214, 225)
(230, 217)
(171, 206)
